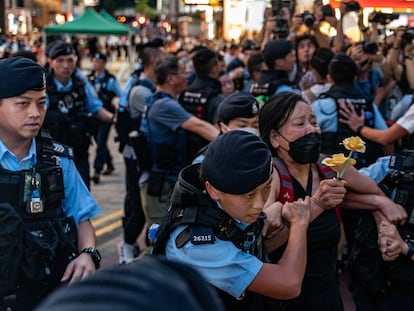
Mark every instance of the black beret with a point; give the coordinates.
(237, 162)
(102, 56)
(237, 105)
(22, 74)
(151, 283)
(276, 49)
(61, 48)
(50, 45)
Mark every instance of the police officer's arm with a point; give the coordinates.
(284, 279)
(106, 116)
(391, 244)
(83, 264)
(200, 127)
(365, 194)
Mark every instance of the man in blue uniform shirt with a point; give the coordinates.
(72, 106)
(41, 190)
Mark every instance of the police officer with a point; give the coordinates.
(343, 70)
(280, 58)
(135, 159)
(167, 123)
(203, 96)
(215, 224)
(72, 106)
(107, 87)
(239, 111)
(45, 206)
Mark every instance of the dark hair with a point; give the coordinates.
(342, 69)
(274, 114)
(312, 39)
(164, 67)
(203, 62)
(254, 63)
(149, 52)
(320, 61)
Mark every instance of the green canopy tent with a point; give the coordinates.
(109, 17)
(90, 23)
(93, 24)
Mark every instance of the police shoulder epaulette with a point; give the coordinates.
(62, 150)
(47, 148)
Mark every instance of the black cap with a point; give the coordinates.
(276, 49)
(237, 105)
(61, 48)
(19, 75)
(151, 283)
(102, 56)
(237, 162)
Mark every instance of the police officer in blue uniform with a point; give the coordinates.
(215, 223)
(107, 87)
(72, 106)
(44, 205)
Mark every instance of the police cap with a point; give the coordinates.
(21, 75)
(238, 105)
(60, 49)
(237, 162)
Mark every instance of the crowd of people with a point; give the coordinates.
(231, 158)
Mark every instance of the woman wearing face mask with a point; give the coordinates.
(290, 129)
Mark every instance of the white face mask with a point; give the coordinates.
(250, 130)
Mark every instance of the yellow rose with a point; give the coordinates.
(354, 143)
(339, 163)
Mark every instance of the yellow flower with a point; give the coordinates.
(354, 143)
(339, 162)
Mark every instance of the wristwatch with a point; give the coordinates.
(96, 256)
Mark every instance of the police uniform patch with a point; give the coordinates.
(202, 235)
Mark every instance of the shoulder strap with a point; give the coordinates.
(286, 193)
(47, 149)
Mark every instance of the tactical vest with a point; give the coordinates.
(197, 102)
(67, 119)
(205, 222)
(126, 123)
(101, 88)
(37, 240)
(331, 141)
(263, 92)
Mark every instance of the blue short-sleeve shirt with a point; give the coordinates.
(221, 263)
(326, 114)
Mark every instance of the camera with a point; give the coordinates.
(352, 6)
(407, 37)
(369, 47)
(308, 18)
(398, 186)
(384, 18)
(282, 28)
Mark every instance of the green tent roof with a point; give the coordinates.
(90, 23)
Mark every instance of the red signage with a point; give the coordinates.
(395, 4)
